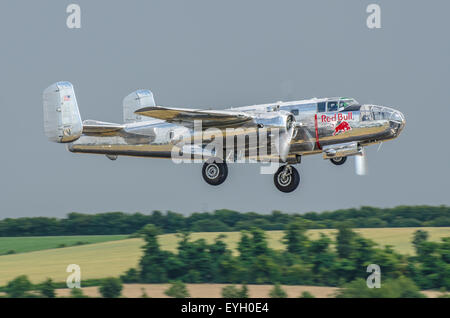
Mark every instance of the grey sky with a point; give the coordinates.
(217, 54)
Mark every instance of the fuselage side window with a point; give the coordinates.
(321, 107)
(332, 106)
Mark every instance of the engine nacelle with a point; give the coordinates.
(341, 150)
(282, 120)
(62, 120)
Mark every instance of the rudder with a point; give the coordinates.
(134, 101)
(62, 120)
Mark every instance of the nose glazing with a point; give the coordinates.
(399, 121)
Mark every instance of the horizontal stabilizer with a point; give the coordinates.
(95, 127)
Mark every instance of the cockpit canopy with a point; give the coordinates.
(337, 104)
(345, 102)
(375, 112)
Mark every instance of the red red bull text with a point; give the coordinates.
(337, 117)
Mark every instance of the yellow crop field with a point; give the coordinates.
(112, 258)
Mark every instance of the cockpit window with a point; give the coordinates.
(347, 102)
(321, 107)
(373, 112)
(332, 106)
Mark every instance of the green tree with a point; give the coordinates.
(258, 242)
(223, 265)
(322, 260)
(300, 273)
(230, 291)
(245, 247)
(111, 287)
(295, 238)
(197, 259)
(177, 290)
(401, 287)
(130, 276)
(430, 269)
(209, 226)
(154, 263)
(420, 237)
(277, 292)
(244, 292)
(77, 293)
(306, 294)
(344, 240)
(47, 289)
(18, 287)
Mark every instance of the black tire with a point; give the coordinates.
(214, 173)
(289, 182)
(338, 161)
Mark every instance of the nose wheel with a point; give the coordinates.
(214, 172)
(286, 179)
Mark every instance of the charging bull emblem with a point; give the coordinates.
(341, 127)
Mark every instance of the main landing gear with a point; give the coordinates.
(286, 179)
(338, 161)
(215, 172)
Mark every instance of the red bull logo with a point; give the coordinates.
(341, 127)
(337, 117)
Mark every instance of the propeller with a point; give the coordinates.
(379, 147)
(361, 163)
(285, 137)
(287, 92)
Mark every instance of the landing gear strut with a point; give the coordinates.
(214, 172)
(339, 160)
(286, 179)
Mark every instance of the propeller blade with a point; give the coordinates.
(284, 139)
(284, 145)
(361, 164)
(379, 147)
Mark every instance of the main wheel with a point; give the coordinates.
(214, 173)
(339, 160)
(286, 179)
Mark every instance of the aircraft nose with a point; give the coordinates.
(399, 120)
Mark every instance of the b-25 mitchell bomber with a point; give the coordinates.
(280, 132)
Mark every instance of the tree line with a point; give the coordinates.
(341, 262)
(223, 221)
(320, 262)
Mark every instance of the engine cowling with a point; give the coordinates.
(282, 120)
(281, 128)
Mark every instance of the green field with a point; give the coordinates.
(112, 258)
(29, 244)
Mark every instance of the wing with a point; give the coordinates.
(94, 127)
(186, 116)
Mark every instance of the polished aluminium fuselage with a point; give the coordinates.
(367, 124)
